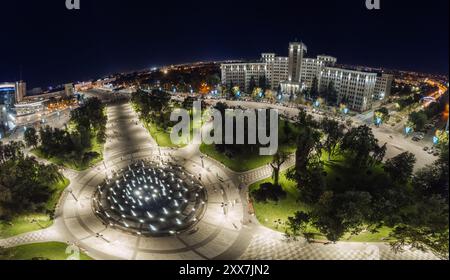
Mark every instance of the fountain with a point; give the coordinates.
(152, 200)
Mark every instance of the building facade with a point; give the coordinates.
(312, 67)
(296, 73)
(383, 86)
(10, 94)
(355, 88)
(241, 74)
(277, 69)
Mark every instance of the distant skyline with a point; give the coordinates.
(51, 45)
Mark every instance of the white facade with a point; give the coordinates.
(277, 69)
(240, 74)
(296, 73)
(296, 54)
(355, 87)
(383, 86)
(311, 67)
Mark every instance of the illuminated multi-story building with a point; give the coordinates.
(277, 68)
(383, 86)
(355, 88)
(240, 74)
(311, 68)
(296, 73)
(10, 94)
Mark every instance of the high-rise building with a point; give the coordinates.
(311, 68)
(241, 74)
(296, 73)
(355, 88)
(383, 86)
(69, 90)
(277, 69)
(8, 95)
(21, 91)
(296, 53)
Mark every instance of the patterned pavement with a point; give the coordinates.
(255, 175)
(270, 245)
(45, 235)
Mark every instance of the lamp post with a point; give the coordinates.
(73, 195)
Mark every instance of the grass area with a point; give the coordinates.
(270, 212)
(73, 161)
(246, 160)
(162, 137)
(47, 251)
(58, 189)
(24, 223)
(274, 214)
(33, 221)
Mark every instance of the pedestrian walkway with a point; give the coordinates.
(45, 235)
(255, 175)
(270, 245)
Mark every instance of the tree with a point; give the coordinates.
(298, 223)
(383, 112)
(278, 159)
(433, 179)
(314, 91)
(263, 83)
(308, 145)
(337, 214)
(360, 142)
(426, 228)
(419, 119)
(335, 134)
(304, 119)
(251, 85)
(331, 94)
(31, 137)
(401, 167)
(378, 154)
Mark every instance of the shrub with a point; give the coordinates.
(268, 191)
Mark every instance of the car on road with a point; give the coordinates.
(416, 139)
(426, 149)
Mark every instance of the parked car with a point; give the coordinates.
(426, 149)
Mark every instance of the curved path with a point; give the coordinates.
(227, 230)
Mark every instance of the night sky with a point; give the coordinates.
(53, 45)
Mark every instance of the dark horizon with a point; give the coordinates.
(51, 45)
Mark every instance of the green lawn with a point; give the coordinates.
(33, 221)
(162, 137)
(24, 223)
(47, 251)
(58, 189)
(72, 162)
(268, 214)
(247, 160)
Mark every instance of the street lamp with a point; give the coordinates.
(73, 195)
(201, 157)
